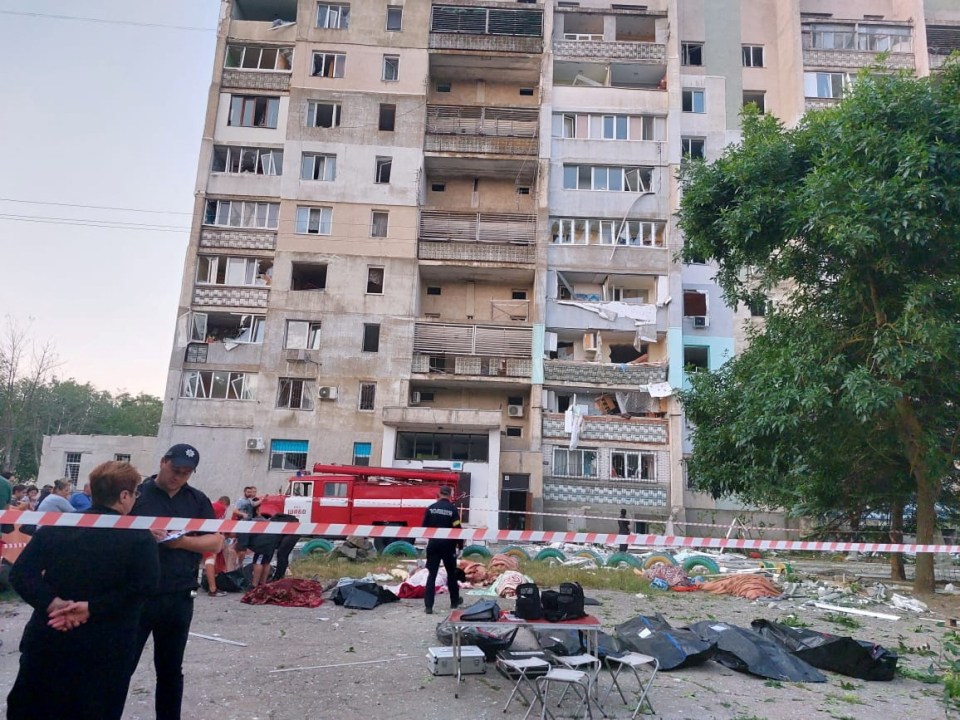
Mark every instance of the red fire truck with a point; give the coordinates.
(358, 495)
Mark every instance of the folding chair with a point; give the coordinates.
(522, 666)
(580, 681)
(585, 662)
(633, 660)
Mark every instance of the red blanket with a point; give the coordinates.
(288, 592)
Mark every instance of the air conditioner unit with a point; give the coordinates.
(414, 398)
(327, 392)
(701, 321)
(256, 444)
(515, 411)
(590, 342)
(300, 355)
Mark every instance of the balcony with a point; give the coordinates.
(472, 129)
(460, 251)
(583, 491)
(820, 103)
(428, 418)
(641, 259)
(477, 351)
(607, 375)
(239, 354)
(444, 365)
(836, 59)
(597, 315)
(482, 237)
(598, 428)
(234, 79)
(219, 296)
(237, 239)
(597, 49)
(486, 29)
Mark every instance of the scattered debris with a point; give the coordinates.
(337, 665)
(748, 586)
(218, 639)
(855, 611)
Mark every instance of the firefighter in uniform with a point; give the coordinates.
(442, 514)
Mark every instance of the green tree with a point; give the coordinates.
(850, 393)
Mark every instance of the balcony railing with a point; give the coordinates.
(253, 80)
(485, 121)
(465, 20)
(218, 296)
(606, 374)
(582, 491)
(608, 427)
(476, 252)
(850, 58)
(487, 350)
(475, 144)
(469, 227)
(472, 365)
(643, 52)
(237, 239)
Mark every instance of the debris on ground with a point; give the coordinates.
(747, 586)
(288, 592)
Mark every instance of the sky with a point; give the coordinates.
(99, 115)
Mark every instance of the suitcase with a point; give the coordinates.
(472, 662)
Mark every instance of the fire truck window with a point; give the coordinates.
(302, 489)
(334, 489)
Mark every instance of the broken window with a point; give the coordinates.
(295, 394)
(368, 395)
(253, 111)
(218, 270)
(314, 221)
(253, 57)
(321, 114)
(361, 453)
(394, 18)
(328, 65)
(388, 117)
(692, 148)
(218, 385)
(289, 455)
(574, 463)
(693, 101)
(318, 166)
(242, 214)
(308, 276)
(383, 167)
(375, 280)
(302, 335)
(332, 16)
(227, 327)
(629, 465)
(639, 233)
(696, 358)
(691, 53)
(371, 337)
(752, 55)
(610, 179)
(755, 97)
(694, 303)
(239, 160)
(391, 68)
(379, 220)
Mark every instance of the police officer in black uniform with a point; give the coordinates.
(442, 514)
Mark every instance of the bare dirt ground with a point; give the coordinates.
(226, 682)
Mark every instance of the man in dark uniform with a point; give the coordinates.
(442, 514)
(87, 587)
(623, 527)
(168, 613)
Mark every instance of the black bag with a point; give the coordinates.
(529, 606)
(482, 611)
(567, 605)
(232, 581)
(490, 642)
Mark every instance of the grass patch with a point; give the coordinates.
(843, 620)
(919, 675)
(793, 621)
(773, 684)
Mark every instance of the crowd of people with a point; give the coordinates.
(103, 593)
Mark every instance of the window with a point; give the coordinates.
(438, 187)
(288, 454)
(379, 221)
(196, 353)
(696, 358)
(691, 148)
(242, 214)
(884, 38)
(335, 489)
(434, 290)
(302, 335)
(753, 55)
(614, 127)
(693, 101)
(694, 303)
(514, 431)
(314, 221)
(574, 463)
(752, 97)
(375, 280)
(757, 306)
(371, 337)
(388, 117)
(826, 84)
(441, 446)
(251, 57)
(523, 190)
(628, 465)
(295, 394)
(394, 18)
(218, 385)
(332, 16)
(875, 38)
(368, 396)
(308, 276)
(317, 166)
(361, 453)
(518, 294)
(444, 87)
(321, 114)
(691, 53)
(214, 270)
(391, 68)
(526, 92)
(243, 160)
(227, 327)
(328, 65)
(253, 111)
(121, 457)
(382, 172)
(602, 177)
(71, 466)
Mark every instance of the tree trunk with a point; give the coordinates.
(928, 489)
(897, 571)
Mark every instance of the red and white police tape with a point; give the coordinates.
(130, 522)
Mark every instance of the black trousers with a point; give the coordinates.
(283, 555)
(167, 617)
(446, 554)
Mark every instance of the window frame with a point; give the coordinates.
(397, 10)
(580, 454)
(643, 459)
(390, 61)
(388, 112)
(749, 56)
(694, 93)
(246, 107)
(372, 271)
(383, 168)
(71, 466)
(281, 52)
(289, 460)
(311, 335)
(686, 147)
(305, 220)
(206, 385)
(359, 458)
(247, 210)
(299, 393)
(374, 229)
(367, 396)
(266, 161)
(333, 65)
(336, 114)
(370, 342)
(328, 163)
(688, 50)
(342, 18)
(755, 95)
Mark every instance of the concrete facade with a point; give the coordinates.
(443, 235)
(74, 456)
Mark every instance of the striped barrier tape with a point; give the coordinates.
(131, 522)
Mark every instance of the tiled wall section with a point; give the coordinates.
(555, 490)
(604, 427)
(605, 374)
(237, 239)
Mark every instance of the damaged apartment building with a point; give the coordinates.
(442, 235)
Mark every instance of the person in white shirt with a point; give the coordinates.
(57, 500)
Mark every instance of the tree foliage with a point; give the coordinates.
(849, 396)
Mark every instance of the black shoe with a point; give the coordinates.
(458, 603)
(428, 611)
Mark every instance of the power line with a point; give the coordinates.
(95, 207)
(94, 223)
(106, 21)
